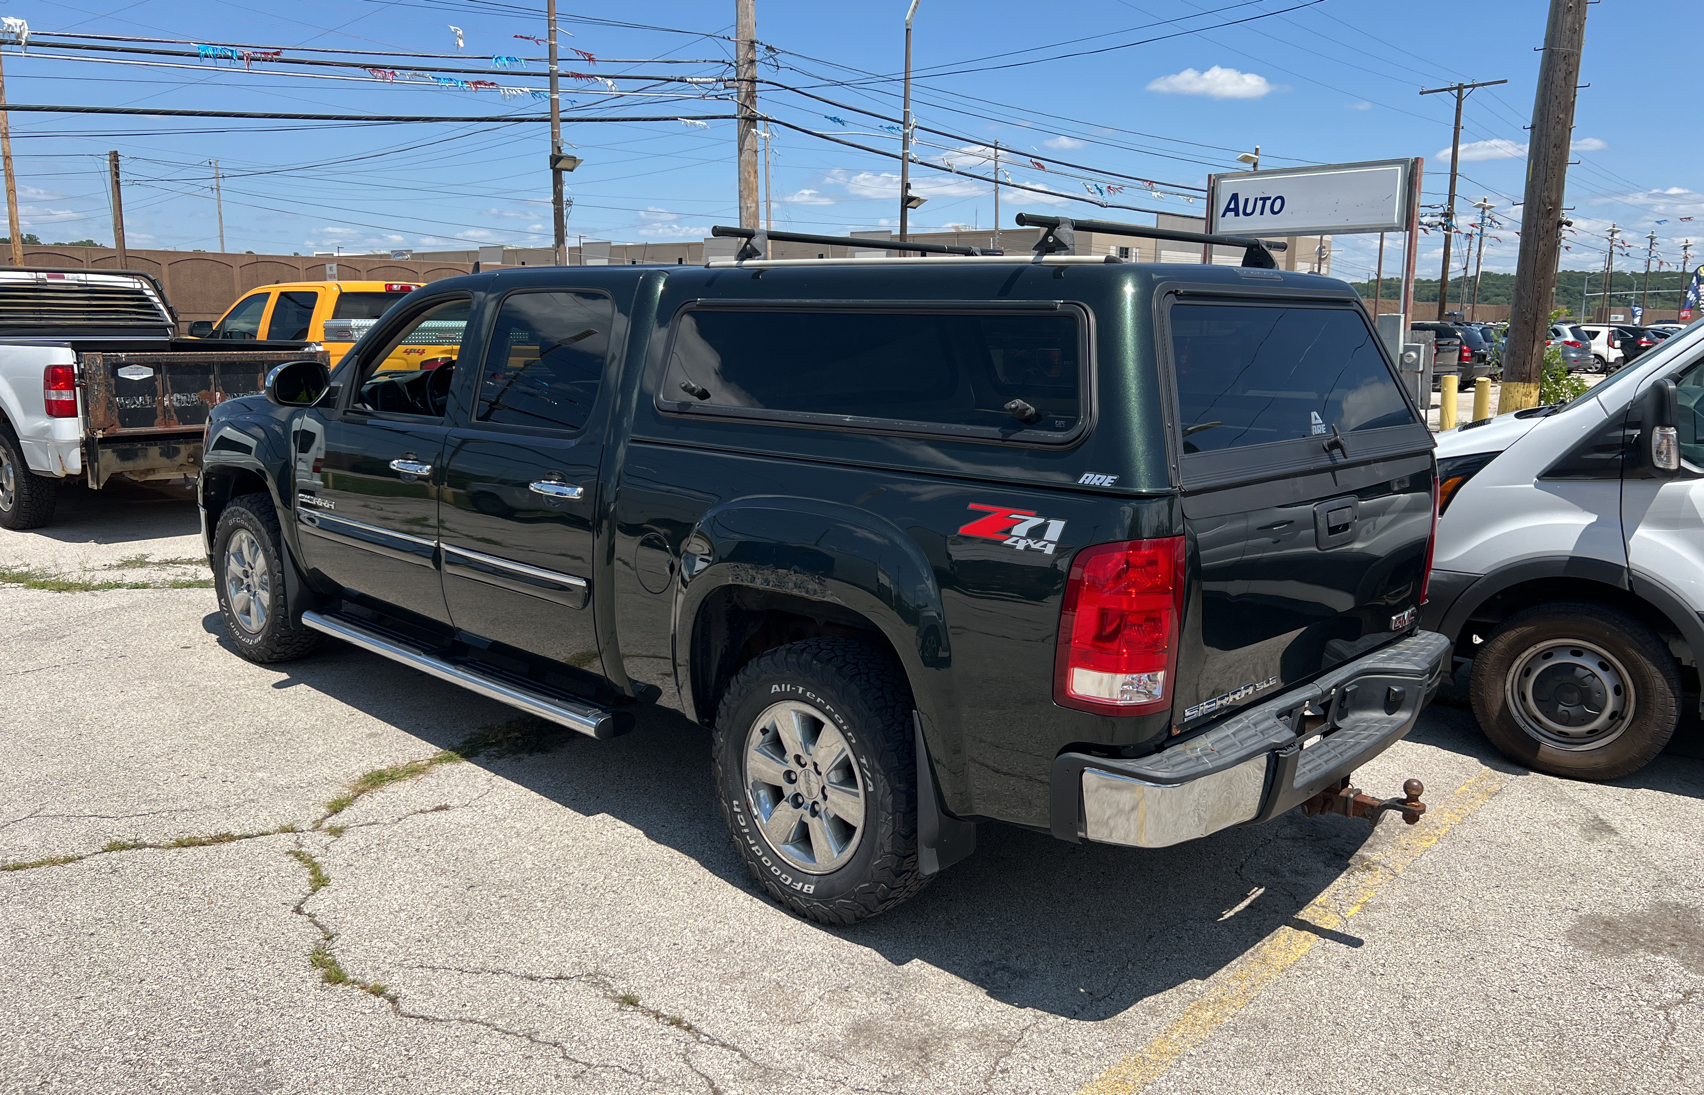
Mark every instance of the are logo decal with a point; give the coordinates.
(1091, 479)
(1014, 528)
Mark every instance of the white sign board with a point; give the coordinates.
(1307, 201)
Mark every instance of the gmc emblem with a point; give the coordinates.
(1402, 619)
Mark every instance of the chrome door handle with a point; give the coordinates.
(411, 467)
(552, 488)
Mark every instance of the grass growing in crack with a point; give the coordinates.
(628, 1000)
(317, 878)
(137, 562)
(49, 861)
(188, 841)
(123, 845)
(326, 962)
(53, 583)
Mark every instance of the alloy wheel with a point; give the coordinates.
(248, 582)
(803, 787)
(8, 482)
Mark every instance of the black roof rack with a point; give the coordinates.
(756, 239)
(1061, 233)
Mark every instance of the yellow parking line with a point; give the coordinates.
(1239, 984)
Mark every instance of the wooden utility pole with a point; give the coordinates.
(117, 211)
(11, 179)
(558, 212)
(219, 204)
(1541, 215)
(1650, 253)
(745, 83)
(1609, 267)
(997, 195)
(1378, 282)
(1484, 205)
(905, 134)
(768, 207)
(1461, 91)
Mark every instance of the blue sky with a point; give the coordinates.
(1330, 81)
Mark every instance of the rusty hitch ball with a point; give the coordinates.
(1348, 801)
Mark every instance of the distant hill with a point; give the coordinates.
(1667, 287)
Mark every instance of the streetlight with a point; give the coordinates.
(914, 201)
(1583, 285)
(905, 196)
(1251, 158)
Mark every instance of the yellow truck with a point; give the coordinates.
(335, 314)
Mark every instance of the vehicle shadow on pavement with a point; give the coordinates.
(121, 513)
(1082, 931)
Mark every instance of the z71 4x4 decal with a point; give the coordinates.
(1014, 527)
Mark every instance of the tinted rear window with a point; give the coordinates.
(1251, 374)
(958, 370)
(364, 305)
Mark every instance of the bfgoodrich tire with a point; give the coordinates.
(1576, 689)
(817, 777)
(26, 499)
(248, 574)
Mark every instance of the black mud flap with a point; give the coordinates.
(942, 839)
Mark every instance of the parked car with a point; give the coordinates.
(1451, 354)
(332, 313)
(1667, 328)
(1605, 345)
(1633, 341)
(94, 386)
(1574, 346)
(1479, 346)
(1570, 566)
(860, 520)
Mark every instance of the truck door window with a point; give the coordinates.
(999, 373)
(546, 359)
(293, 315)
(1248, 374)
(1689, 387)
(243, 321)
(411, 372)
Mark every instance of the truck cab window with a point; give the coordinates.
(243, 321)
(546, 359)
(293, 315)
(411, 372)
(1689, 387)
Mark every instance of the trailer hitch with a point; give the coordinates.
(1351, 802)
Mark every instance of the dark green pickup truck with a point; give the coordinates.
(1120, 552)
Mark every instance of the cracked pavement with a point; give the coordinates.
(575, 919)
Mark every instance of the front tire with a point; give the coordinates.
(1578, 690)
(27, 500)
(248, 573)
(817, 777)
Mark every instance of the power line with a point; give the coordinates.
(162, 112)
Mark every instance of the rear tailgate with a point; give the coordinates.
(145, 410)
(1307, 479)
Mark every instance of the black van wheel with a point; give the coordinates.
(27, 500)
(818, 781)
(1577, 690)
(248, 574)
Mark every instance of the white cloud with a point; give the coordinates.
(1216, 83)
(656, 214)
(1362, 105)
(675, 230)
(885, 185)
(1063, 142)
(1588, 144)
(1502, 149)
(807, 197)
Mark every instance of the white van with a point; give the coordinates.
(1569, 565)
(1605, 348)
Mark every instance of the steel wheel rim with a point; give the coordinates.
(248, 583)
(8, 481)
(803, 787)
(1571, 695)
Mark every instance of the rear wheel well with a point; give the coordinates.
(220, 485)
(738, 623)
(1522, 595)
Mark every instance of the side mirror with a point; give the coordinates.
(297, 383)
(201, 328)
(1660, 440)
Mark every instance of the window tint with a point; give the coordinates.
(545, 359)
(363, 305)
(1689, 387)
(292, 315)
(412, 371)
(955, 370)
(243, 321)
(1250, 374)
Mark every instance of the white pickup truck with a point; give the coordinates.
(93, 384)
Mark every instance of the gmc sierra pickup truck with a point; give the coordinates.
(1117, 552)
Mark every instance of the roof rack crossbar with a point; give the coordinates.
(756, 245)
(1060, 235)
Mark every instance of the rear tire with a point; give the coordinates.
(817, 776)
(27, 500)
(248, 575)
(1578, 690)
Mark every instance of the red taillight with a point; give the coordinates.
(1119, 628)
(59, 391)
(1431, 542)
(399, 287)
(1466, 354)
(1571, 343)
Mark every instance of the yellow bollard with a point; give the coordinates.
(1482, 399)
(1449, 387)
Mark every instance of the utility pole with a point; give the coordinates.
(1378, 282)
(1461, 91)
(558, 213)
(1650, 253)
(11, 179)
(1542, 215)
(219, 204)
(117, 211)
(1609, 267)
(745, 81)
(1484, 205)
(768, 207)
(997, 195)
(905, 136)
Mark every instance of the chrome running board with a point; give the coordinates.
(558, 707)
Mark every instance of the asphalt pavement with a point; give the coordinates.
(340, 875)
